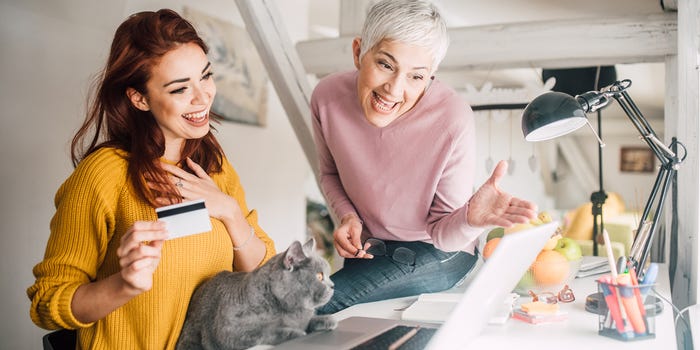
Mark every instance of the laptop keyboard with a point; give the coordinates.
(384, 340)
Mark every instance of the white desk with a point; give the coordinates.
(580, 331)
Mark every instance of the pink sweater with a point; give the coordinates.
(407, 181)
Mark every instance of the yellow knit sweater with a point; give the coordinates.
(94, 207)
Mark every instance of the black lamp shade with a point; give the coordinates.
(551, 115)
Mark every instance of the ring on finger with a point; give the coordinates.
(179, 183)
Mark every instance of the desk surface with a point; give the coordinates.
(579, 331)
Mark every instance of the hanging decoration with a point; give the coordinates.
(511, 161)
(495, 98)
(489, 160)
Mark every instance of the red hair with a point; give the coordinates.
(112, 121)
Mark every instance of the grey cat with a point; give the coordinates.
(274, 303)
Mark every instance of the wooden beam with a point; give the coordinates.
(546, 44)
(685, 289)
(268, 32)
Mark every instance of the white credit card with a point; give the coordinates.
(184, 219)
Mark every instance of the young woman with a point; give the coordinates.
(109, 271)
(396, 151)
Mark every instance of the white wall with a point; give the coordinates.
(50, 51)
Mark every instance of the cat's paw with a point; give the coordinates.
(322, 323)
(279, 335)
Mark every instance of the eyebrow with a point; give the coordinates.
(393, 59)
(186, 79)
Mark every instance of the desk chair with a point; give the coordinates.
(62, 339)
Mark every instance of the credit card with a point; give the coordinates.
(184, 219)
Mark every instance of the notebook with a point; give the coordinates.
(484, 295)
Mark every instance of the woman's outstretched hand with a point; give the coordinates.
(489, 206)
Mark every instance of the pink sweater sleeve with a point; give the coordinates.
(447, 221)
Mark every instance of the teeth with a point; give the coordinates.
(199, 116)
(382, 103)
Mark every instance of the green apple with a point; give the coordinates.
(569, 248)
(496, 232)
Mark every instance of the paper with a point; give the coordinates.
(589, 262)
(593, 265)
(184, 219)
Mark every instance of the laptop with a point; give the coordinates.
(493, 282)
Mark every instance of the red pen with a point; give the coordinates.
(637, 293)
(634, 314)
(611, 301)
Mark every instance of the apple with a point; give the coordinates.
(569, 248)
(495, 233)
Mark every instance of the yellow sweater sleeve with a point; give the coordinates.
(81, 229)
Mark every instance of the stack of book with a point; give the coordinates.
(539, 312)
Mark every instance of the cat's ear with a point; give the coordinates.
(294, 255)
(309, 246)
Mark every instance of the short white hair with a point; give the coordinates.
(413, 22)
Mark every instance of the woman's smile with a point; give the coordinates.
(382, 105)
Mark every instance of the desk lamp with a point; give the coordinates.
(555, 114)
(578, 80)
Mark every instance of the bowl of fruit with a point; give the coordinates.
(555, 266)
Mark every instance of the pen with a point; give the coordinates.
(637, 294)
(609, 253)
(649, 278)
(404, 338)
(630, 304)
(613, 306)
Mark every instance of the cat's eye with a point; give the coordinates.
(319, 276)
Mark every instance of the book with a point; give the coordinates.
(558, 316)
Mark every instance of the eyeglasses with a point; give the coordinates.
(566, 295)
(401, 255)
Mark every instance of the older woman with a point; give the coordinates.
(396, 151)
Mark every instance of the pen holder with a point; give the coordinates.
(630, 311)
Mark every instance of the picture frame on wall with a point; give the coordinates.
(636, 160)
(239, 74)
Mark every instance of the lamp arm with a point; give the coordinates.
(639, 253)
(662, 152)
(670, 162)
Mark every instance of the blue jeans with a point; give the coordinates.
(367, 280)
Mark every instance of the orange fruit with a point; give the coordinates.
(490, 247)
(550, 267)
